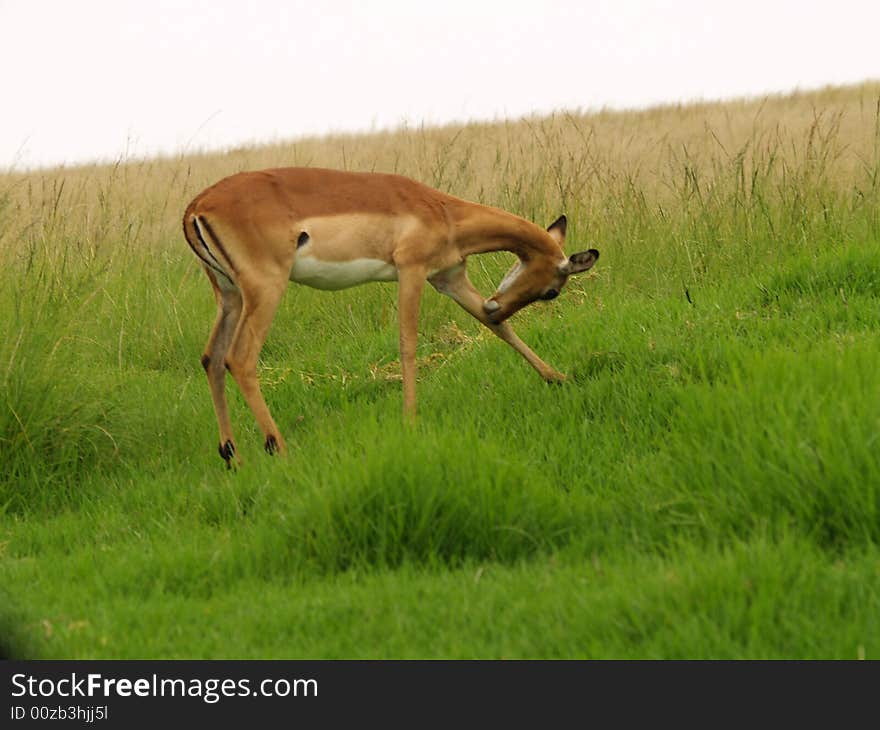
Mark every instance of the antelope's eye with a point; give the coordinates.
(550, 294)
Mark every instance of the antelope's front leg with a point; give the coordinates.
(412, 283)
(457, 286)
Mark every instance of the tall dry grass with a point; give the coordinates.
(745, 168)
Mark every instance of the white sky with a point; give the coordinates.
(96, 79)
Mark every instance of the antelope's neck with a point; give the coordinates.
(481, 229)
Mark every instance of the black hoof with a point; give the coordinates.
(271, 445)
(227, 451)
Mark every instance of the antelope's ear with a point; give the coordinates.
(579, 262)
(557, 229)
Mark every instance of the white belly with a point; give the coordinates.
(321, 274)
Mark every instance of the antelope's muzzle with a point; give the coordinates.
(492, 310)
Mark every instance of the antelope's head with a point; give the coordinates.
(539, 277)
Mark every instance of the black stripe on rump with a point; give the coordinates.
(200, 256)
(216, 240)
(197, 223)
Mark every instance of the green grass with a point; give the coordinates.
(706, 484)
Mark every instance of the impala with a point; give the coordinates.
(255, 231)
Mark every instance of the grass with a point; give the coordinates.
(706, 484)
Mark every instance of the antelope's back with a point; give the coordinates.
(306, 192)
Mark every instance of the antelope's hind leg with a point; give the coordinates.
(229, 306)
(260, 302)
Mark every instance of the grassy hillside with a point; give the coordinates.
(706, 484)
